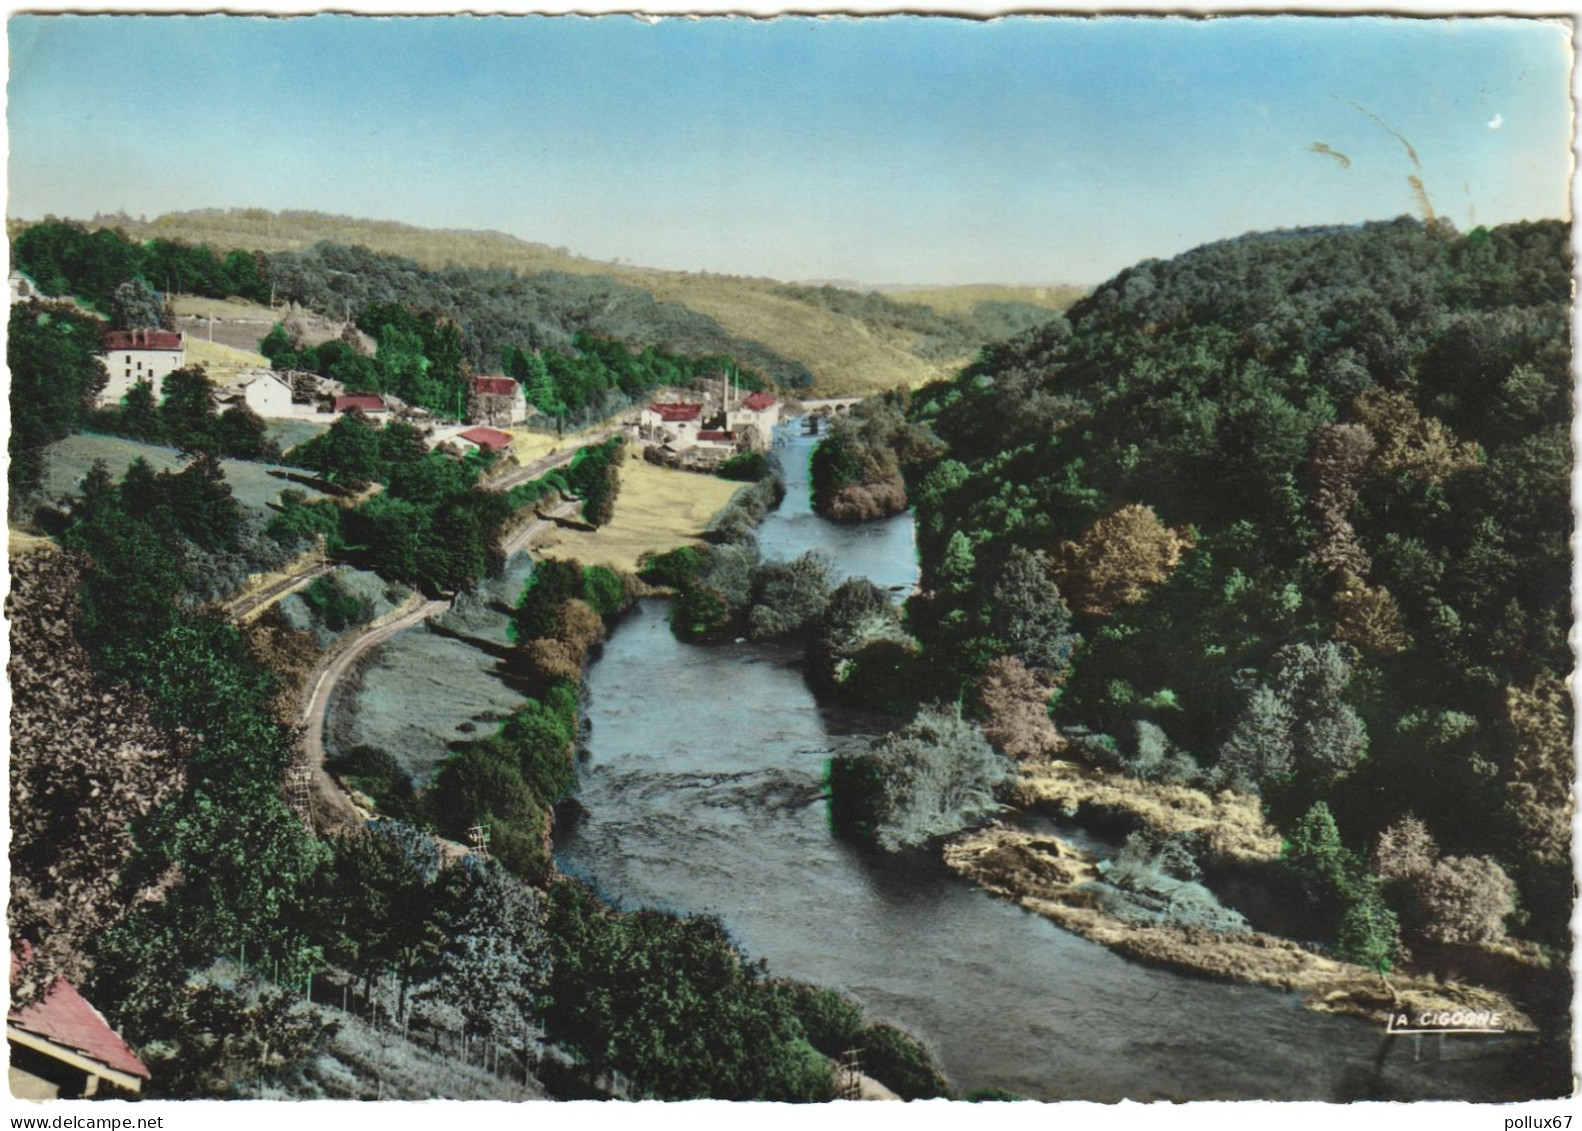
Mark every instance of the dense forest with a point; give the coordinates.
(1294, 508)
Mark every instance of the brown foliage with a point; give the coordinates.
(870, 499)
(578, 626)
(1404, 851)
(1465, 900)
(1118, 559)
(553, 659)
(289, 652)
(1539, 777)
(85, 763)
(1340, 460)
(1015, 704)
(1369, 618)
(1420, 446)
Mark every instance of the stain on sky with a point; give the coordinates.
(1415, 180)
(1320, 147)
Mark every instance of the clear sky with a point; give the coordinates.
(899, 149)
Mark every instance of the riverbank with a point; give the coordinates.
(1050, 876)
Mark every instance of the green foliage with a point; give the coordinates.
(338, 609)
(594, 476)
(700, 613)
(52, 352)
(787, 596)
(376, 773)
(672, 1005)
(135, 305)
(748, 467)
(899, 1062)
(604, 590)
(680, 568)
(929, 779)
(856, 469)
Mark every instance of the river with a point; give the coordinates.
(701, 795)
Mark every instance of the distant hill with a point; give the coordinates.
(850, 343)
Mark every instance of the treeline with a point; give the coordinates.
(64, 258)
(493, 310)
(53, 354)
(431, 526)
(856, 468)
(938, 334)
(187, 416)
(1306, 499)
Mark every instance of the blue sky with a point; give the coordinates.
(882, 150)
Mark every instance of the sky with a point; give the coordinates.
(876, 150)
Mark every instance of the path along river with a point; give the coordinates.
(701, 795)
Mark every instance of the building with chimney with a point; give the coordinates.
(134, 356)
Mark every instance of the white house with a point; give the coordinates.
(268, 396)
(497, 400)
(131, 356)
(676, 424)
(760, 410)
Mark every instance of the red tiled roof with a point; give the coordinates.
(495, 386)
(141, 340)
(674, 413)
(716, 435)
(491, 438)
(758, 402)
(64, 1016)
(364, 401)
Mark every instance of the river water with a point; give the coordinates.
(701, 795)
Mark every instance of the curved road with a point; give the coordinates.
(333, 801)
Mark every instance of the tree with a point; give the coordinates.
(110, 761)
(1029, 614)
(1410, 443)
(1015, 703)
(349, 453)
(1539, 775)
(140, 418)
(1465, 899)
(1118, 559)
(188, 411)
(929, 779)
(494, 961)
(787, 596)
(56, 373)
(136, 306)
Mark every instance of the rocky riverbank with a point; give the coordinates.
(1051, 878)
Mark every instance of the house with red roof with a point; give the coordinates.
(62, 1047)
(673, 424)
(497, 400)
(134, 356)
(484, 439)
(366, 403)
(758, 410)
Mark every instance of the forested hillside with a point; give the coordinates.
(841, 341)
(1306, 496)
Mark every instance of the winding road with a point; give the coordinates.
(332, 801)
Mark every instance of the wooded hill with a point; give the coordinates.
(843, 341)
(1306, 495)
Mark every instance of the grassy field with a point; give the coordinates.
(961, 299)
(658, 509)
(68, 460)
(845, 355)
(222, 362)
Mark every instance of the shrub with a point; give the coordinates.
(928, 779)
(788, 595)
(901, 1064)
(1465, 900)
(334, 606)
(748, 467)
(699, 613)
(680, 568)
(603, 589)
(374, 772)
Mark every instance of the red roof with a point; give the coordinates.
(716, 435)
(758, 402)
(365, 401)
(495, 386)
(141, 340)
(64, 1017)
(673, 413)
(491, 438)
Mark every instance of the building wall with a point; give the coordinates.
(268, 398)
(128, 367)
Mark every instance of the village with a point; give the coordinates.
(693, 429)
